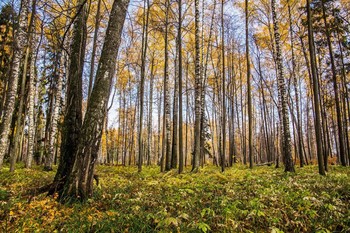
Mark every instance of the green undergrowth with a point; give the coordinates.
(264, 199)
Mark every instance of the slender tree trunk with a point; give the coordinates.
(181, 149)
(198, 80)
(150, 114)
(142, 82)
(223, 163)
(31, 114)
(175, 149)
(55, 115)
(286, 139)
(17, 150)
(249, 92)
(94, 46)
(335, 86)
(315, 92)
(295, 84)
(166, 130)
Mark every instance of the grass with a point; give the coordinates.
(264, 199)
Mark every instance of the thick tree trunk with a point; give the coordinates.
(73, 115)
(80, 180)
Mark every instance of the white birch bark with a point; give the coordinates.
(31, 114)
(19, 43)
(55, 116)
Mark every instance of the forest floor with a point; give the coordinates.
(264, 199)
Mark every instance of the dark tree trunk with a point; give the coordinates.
(73, 116)
(250, 117)
(179, 36)
(79, 181)
(315, 92)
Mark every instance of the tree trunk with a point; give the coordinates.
(31, 114)
(249, 92)
(55, 115)
(174, 152)
(19, 42)
(179, 36)
(296, 92)
(198, 80)
(315, 92)
(223, 152)
(29, 53)
(80, 181)
(286, 139)
(94, 45)
(73, 115)
(166, 130)
(336, 91)
(142, 81)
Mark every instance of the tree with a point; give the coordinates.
(166, 115)
(335, 86)
(78, 183)
(19, 43)
(179, 38)
(223, 152)
(316, 91)
(198, 80)
(142, 81)
(31, 95)
(286, 143)
(249, 92)
(73, 115)
(7, 16)
(296, 92)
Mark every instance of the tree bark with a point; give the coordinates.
(80, 180)
(166, 130)
(55, 115)
(286, 139)
(73, 115)
(142, 81)
(223, 152)
(315, 92)
(336, 89)
(198, 80)
(19, 42)
(249, 92)
(31, 114)
(179, 36)
(94, 45)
